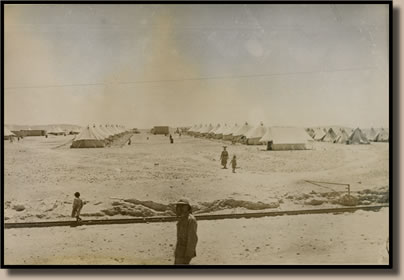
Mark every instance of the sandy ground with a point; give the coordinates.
(41, 175)
(304, 239)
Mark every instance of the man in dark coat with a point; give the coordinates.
(224, 157)
(187, 237)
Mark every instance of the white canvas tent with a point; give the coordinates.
(89, 137)
(239, 134)
(228, 134)
(342, 137)
(219, 132)
(382, 136)
(254, 135)
(286, 138)
(330, 136)
(357, 137)
(205, 130)
(212, 132)
(319, 134)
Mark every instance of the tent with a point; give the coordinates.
(330, 136)
(371, 134)
(89, 137)
(286, 138)
(212, 132)
(342, 137)
(319, 134)
(8, 134)
(228, 133)
(205, 130)
(219, 132)
(382, 136)
(358, 137)
(254, 135)
(239, 134)
(56, 131)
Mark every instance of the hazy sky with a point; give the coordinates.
(145, 65)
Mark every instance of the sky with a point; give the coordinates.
(179, 65)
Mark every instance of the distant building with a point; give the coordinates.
(160, 130)
(29, 132)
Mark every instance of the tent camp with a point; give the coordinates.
(382, 136)
(329, 136)
(239, 134)
(228, 134)
(286, 138)
(357, 137)
(89, 137)
(254, 135)
(8, 134)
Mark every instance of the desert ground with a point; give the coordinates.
(145, 178)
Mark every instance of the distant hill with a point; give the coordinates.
(48, 127)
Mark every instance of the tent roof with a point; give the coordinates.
(221, 129)
(206, 129)
(230, 129)
(256, 132)
(213, 130)
(89, 133)
(358, 137)
(286, 135)
(242, 130)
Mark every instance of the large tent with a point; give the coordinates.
(286, 138)
(358, 137)
(228, 133)
(239, 134)
(254, 135)
(89, 137)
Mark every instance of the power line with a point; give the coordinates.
(196, 78)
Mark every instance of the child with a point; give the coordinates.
(77, 205)
(234, 164)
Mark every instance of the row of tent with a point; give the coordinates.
(286, 138)
(349, 136)
(276, 138)
(98, 136)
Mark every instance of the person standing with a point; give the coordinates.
(187, 237)
(224, 157)
(234, 163)
(77, 206)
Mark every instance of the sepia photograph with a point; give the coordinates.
(183, 135)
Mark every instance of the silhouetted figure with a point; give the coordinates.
(234, 164)
(77, 206)
(187, 237)
(224, 157)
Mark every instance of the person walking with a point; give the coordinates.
(234, 164)
(224, 157)
(187, 238)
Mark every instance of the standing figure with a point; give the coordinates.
(187, 237)
(224, 157)
(129, 142)
(171, 139)
(77, 206)
(234, 164)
